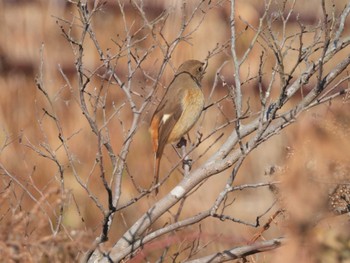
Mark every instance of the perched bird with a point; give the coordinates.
(179, 109)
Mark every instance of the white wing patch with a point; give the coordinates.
(166, 117)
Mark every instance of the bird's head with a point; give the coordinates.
(194, 67)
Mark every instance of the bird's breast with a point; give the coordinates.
(192, 105)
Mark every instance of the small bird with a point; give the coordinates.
(179, 109)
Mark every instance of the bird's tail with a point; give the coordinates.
(156, 171)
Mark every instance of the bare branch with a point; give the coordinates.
(241, 252)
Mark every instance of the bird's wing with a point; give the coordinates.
(168, 116)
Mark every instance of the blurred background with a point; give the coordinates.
(310, 157)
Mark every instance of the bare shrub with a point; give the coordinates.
(233, 199)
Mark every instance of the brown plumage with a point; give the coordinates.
(179, 109)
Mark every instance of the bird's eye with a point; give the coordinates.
(200, 69)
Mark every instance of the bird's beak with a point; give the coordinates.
(205, 67)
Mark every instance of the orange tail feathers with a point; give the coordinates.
(156, 172)
(154, 129)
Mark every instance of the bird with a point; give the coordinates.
(179, 109)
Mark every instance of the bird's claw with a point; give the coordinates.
(182, 142)
(187, 162)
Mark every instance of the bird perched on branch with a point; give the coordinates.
(179, 109)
